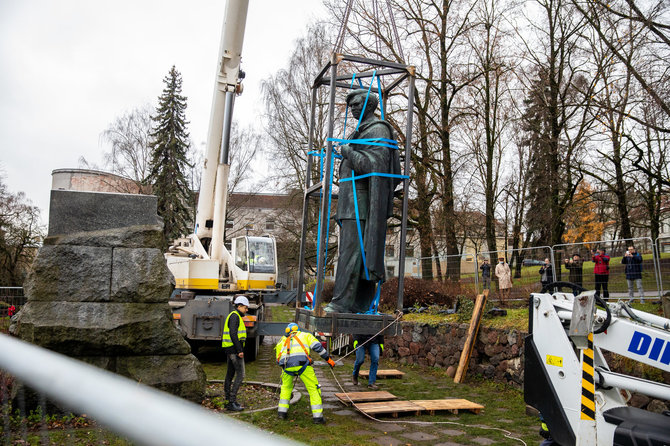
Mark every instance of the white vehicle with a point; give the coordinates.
(207, 273)
(566, 376)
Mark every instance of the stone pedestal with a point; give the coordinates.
(101, 295)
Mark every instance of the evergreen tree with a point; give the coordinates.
(169, 159)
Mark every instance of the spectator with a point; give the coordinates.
(486, 274)
(633, 261)
(504, 275)
(601, 270)
(574, 265)
(546, 273)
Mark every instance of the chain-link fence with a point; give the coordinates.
(578, 260)
(530, 267)
(520, 273)
(662, 247)
(11, 301)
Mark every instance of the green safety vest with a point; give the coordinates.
(241, 331)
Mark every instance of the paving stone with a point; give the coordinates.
(503, 420)
(332, 406)
(452, 432)
(502, 409)
(449, 443)
(483, 440)
(387, 427)
(344, 412)
(388, 441)
(420, 436)
(363, 433)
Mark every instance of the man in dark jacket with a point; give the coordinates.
(363, 204)
(374, 346)
(486, 274)
(234, 336)
(574, 266)
(601, 270)
(633, 261)
(546, 273)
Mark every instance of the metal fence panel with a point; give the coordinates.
(615, 249)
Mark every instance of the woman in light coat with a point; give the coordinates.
(504, 275)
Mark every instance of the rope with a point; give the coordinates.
(506, 433)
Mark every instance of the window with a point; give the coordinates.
(241, 253)
(230, 224)
(390, 271)
(269, 224)
(390, 251)
(409, 250)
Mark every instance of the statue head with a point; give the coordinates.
(356, 100)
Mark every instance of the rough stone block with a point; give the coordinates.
(100, 329)
(70, 273)
(139, 275)
(139, 236)
(74, 211)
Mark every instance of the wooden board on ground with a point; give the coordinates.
(389, 373)
(389, 407)
(451, 405)
(365, 397)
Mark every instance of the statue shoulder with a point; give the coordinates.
(381, 129)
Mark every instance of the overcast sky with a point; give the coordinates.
(68, 68)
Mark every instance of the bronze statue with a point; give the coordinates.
(353, 291)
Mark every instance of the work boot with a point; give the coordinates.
(319, 420)
(234, 407)
(282, 415)
(354, 380)
(373, 387)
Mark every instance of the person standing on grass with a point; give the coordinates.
(234, 336)
(374, 346)
(574, 265)
(546, 273)
(601, 270)
(486, 274)
(504, 275)
(293, 356)
(633, 261)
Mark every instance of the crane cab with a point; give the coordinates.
(255, 264)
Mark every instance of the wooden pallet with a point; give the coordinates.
(471, 337)
(364, 397)
(389, 407)
(450, 405)
(390, 373)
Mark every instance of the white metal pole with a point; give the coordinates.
(145, 415)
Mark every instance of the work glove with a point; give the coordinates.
(331, 363)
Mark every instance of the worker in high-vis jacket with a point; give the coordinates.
(293, 356)
(234, 336)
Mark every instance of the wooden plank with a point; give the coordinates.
(389, 373)
(471, 336)
(389, 407)
(450, 405)
(365, 397)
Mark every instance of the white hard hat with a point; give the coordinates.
(242, 300)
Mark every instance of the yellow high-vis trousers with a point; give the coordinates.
(308, 378)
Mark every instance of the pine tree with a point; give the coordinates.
(169, 159)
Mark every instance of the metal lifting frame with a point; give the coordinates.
(330, 77)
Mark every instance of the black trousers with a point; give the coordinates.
(601, 283)
(235, 369)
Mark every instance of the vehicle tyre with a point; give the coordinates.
(251, 349)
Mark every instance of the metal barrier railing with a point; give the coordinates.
(141, 413)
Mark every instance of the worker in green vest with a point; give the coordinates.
(234, 335)
(293, 357)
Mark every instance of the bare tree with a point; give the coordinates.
(20, 236)
(128, 136)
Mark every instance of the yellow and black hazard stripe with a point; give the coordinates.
(588, 386)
